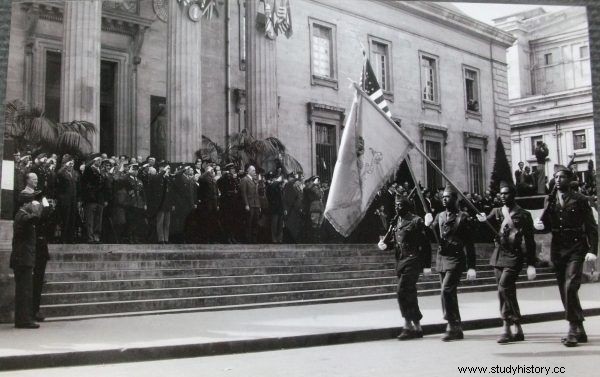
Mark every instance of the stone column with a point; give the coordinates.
(261, 77)
(184, 91)
(80, 84)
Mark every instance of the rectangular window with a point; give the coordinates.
(579, 141)
(472, 90)
(433, 149)
(535, 141)
(475, 170)
(52, 87)
(380, 63)
(584, 52)
(548, 59)
(326, 150)
(429, 79)
(321, 51)
(323, 66)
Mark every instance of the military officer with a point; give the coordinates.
(229, 186)
(569, 217)
(456, 253)
(516, 227)
(22, 259)
(135, 210)
(413, 255)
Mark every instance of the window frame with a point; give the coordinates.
(548, 58)
(477, 141)
(317, 80)
(388, 93)
(587, 49)
(436, 104)
(437, 134)
(580, 132)
(472, 113)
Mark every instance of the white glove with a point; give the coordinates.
(531, 273)
(428, 219)
(426, 271)
(589, 257)
(381, 245)
(471, 274)
(538, 224)
(481, 217)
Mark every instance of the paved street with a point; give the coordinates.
(426, 357)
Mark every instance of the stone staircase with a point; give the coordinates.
(110, 280)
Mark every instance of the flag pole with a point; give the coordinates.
(418, 149)
(419, 192)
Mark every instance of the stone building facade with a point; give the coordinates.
(154, 80)
(550, 90)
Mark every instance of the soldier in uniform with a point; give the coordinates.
(413, 255)
(456, 253)
(516, 227)
(229, 186)
(569, 217)
(135, 210)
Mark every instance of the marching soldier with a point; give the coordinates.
(413, 255)
(456, 253)
(516, 227)
(569, 217)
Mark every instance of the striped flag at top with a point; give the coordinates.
(370, 85)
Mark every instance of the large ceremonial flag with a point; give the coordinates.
(372, 148)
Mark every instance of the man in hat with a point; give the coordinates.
(456, 253)
(293, 211)
(67, 181)
(516, 227)
(93, 195)
(22, 259)
(569, 217)
(413, 255)
(313, 208)
(251, 203)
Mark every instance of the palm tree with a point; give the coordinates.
(244, 150)
(30, 129)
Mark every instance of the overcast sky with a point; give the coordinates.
(487, 12)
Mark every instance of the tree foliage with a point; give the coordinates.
(30, 129)
(501, 170)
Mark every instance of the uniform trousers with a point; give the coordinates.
(450, 280)
(568, 276)
(407, 293)
(506, 279)
(23, 295)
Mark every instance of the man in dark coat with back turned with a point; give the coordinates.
(66, 197)
(516, 228)
(93, 197)
(569, 217)
(413, 255)
(456, 253)
(22, 259)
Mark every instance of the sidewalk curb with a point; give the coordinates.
(69, 359)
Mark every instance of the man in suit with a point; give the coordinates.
(569, 217)
(456, 253)
(208, 203)
(135, 210)
(251, 202)
(22, 259)
(516, 227)
(519, 173)
(413, 255)
(93, 197)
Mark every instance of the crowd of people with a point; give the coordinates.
(132, 200)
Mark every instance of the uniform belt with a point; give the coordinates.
(568, 230)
